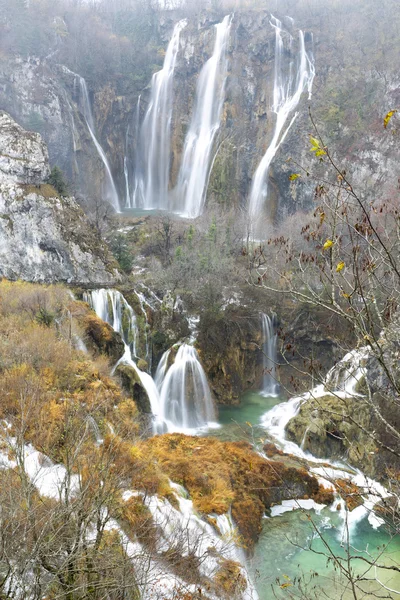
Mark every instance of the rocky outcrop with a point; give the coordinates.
(131, 383)
(43, 237)
(229, 345)
(361, 427)
(224, 476)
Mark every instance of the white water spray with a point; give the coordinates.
(194, 174)
(289, 85)
(269, 347)
(152, 172)
(185, 397)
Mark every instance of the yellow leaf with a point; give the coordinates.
(294, 176)
(388, 117)
(345, 295)
(340, 266)
(249, 424)
(322, 218)
(314, 141)
(285, 585)
(320, 152)
(328, 244)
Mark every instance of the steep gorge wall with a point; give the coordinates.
(356, 83)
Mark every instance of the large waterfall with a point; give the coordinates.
(270, 385)
(185, 396)
(152, 171)
(290, 81)
(110, 191)
(197, 154)
(180, 396)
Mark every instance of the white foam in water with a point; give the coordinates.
(290, 505)
(341, 382)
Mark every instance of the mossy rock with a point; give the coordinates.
(131, 383)
(102, 336)
(222, 476)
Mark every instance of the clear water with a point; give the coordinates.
(278, 560)
(280, 567)
(243, 422)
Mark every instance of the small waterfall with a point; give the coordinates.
(289, 85)
(111, 307)
(197, 154)
(162, 369)
(137, 189)
(111, 193)
(185, 396)
(347, 373)
(180, 397)
(269, 347)
(152, 172)
(143, 302)
(341, 381)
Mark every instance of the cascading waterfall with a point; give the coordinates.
(152, 172)
(269, 347)
(340, 382)
(180, 396)
(111, 307)
(194, 174)
(137, 188)
(185, 396)
(111, 193)
(289, 85)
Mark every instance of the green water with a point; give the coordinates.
(279, 560)
(242, 422)
(282, 566)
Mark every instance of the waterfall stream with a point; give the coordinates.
(193, 177)
(185, 396)
(290, 81)
(111, 193)
(340, 382)
(153, 159)
(180, 397)
(270, 338)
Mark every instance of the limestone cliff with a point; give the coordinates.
(355, 85)
(43, 237)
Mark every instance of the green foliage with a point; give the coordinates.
(57, 180)
(121, 249)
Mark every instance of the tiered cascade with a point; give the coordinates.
(180, 397)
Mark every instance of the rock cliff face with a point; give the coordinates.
(43, 237)
(355, 84)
